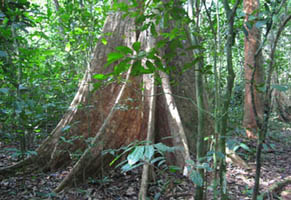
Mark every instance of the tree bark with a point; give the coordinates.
(252, 43)
(115, 115)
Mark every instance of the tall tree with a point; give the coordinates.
(252, 66)
(122, 110)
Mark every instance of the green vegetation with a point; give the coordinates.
(169, 71)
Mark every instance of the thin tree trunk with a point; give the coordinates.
(263, 125)
(230, 14)
(201, 133)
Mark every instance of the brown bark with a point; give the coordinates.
(115, 115)
(252, 61)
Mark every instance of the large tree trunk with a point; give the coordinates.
(117, 114)
(252, 62)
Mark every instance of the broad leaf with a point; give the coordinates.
(128, 167)
(3, 54)
(281, 88)
(114, 56)
(196, 178)
(164, 148)
(136, 46)
(124, 49)
(4, 90)
(66, 128)
(68, 47)
(174, 168)
(150, 66)
(136, 155)
(157, 159)
(99, 76)
(121, 67)
(149, 151)
(245, 147)
(104, 41)
(260, 24)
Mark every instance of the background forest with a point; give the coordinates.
(177, 99)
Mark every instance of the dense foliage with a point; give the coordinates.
(44, 51)
(47, 46)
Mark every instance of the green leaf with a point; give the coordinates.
(4, 90)
(31, 153)
(149, 151)
(150, 66)
(140, 19)
(259, 24)
(136, 155)
(121, 67)
(174, 168)
(157, 159)
(124, 49)
(68, 47)
(204, 166)
(137, 68)
(136, 46)
(3, 54)
(196, 178)
(66, 141)
(159, 64)
(161, 162)
(153, 30)
(104, 41)
(128, 167)
(99, 76)
(245, 147)
(113, 56)
(281, 88)
(249, 25)
(164, 148)
(67, 127)
(195, 47)
(265, 147)
(161, 43)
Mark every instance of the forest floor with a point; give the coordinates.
(115, 185)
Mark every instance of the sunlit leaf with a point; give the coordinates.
(245, 147)
(124, 49)
(136, 46)
(149, 151)
(3, 54)
(136, 155)
(4, 90)
(114, 56)
(104, 41)
(99, 76)
(68, 47)
(67, 127)
(260, 24)
(173, 168)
